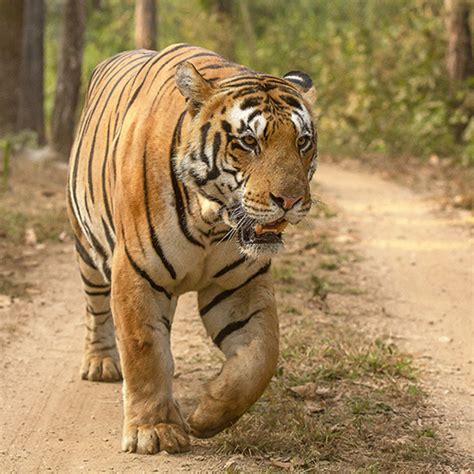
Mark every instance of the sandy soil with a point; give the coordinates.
(418, 263)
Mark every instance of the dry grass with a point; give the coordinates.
(32, 213)
(34, 199)
(341, 401)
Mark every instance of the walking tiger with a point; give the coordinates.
(185, 170)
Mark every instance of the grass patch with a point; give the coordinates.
(363, 408)
(47, 224)
(320, 286)
(283, 273)
(340, 401)
(325, 247)
(331, 266)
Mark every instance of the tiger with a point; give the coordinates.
(184, 172)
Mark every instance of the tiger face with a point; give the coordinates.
(251, 148)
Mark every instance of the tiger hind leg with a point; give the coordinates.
(101, 361)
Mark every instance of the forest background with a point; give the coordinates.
(395, 78)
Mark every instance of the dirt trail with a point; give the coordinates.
(51, 420)
(422, 266)
(55, 421)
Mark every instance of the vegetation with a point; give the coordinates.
(379, 66)
(344, 399)
(394, 78)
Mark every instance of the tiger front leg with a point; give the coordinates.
(244, 326)
(143, 313)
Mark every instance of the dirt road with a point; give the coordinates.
(421, 264)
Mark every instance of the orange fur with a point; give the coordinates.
(175, 152)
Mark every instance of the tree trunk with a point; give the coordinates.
(11, 21)
(146, 24)
(459, 58)
(31, 103)
(69, 76)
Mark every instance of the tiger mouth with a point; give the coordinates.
(268, 233)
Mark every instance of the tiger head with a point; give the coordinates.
(251, 148)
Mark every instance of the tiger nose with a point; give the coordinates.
(285, 202)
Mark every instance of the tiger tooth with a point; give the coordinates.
(276, 228)
(280, 227)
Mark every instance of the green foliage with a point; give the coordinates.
(378, 65)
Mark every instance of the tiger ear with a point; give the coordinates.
(303, 83)
(192, 85)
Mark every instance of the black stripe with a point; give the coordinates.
(145, 275)
(216, 145)
(99, 122)
(244, 83)
(291, 101)
(153, 236)
(97, 246)
(97, 293)
(86, 258)
(115, 68)
(80, 135)
(225, 294)
(105, 196)
(254, 114)
(250, 102)
(226, 126)
(232, 327)
(230, 267)
(108, 236)
(97, 313)
(163, 54)
(90, 110)
(94, 285)
(105, 67)
(204, 131)
(180, 208)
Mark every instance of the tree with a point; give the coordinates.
(145, 24)
(459, 58)
(11, 21)
(69, 76)
(31, 94)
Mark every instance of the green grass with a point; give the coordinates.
(320, 286)
(331, 266)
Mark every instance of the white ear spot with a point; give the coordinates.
(303, 83)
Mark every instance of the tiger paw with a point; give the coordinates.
(150, 439)
(99, 368)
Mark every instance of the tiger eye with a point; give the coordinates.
(249, 140)
(303, 141)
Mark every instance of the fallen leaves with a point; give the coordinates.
(310, 390)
